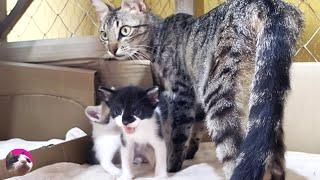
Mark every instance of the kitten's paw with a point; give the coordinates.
(125, 177)
(161, 176)
(114, 171)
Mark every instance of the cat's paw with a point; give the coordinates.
(116, 172)
(113, 171)
(125, 177)
(161, 176)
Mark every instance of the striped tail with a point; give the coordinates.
(262, 151)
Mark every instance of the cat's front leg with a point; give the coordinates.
(160, 149)
(127, 155)
(105, 148)
(110, 168)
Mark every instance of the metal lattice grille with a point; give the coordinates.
(46, 19)
(309, 42)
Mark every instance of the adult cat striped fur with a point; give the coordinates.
(232, 62)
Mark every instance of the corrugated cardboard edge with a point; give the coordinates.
(52, 50)
(74, 151)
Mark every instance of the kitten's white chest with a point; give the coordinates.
(145, 132)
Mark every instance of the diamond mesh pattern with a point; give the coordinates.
(309, 43)
(47, 19)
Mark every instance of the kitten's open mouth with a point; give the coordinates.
(129, 130)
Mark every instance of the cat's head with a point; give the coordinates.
(130, 105)
(19, 163)
(125, 31)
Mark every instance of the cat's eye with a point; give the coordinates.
(137, 112)
(28, 160)
(103, 36)
(116, 111)
(125, 31)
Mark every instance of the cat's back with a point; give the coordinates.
(179, 20)
(172, 28)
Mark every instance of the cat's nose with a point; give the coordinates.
(23, 162)
(113, 48)
(128, 120)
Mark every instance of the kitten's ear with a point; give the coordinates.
(107, 93)
(137, 5)
(102, 9)
(93, 113)
(9, 155)
(153, 94)
(98, 114)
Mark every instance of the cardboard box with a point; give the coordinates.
(41, 102)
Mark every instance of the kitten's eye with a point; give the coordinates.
(137, 112)
(104, 36)
(116, 111)
(125, 31)
(15, 158)
(28, 160)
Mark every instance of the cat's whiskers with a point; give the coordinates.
(146, 57)
(134, 58)
(142, 49)
(145, 46)
(139, 52)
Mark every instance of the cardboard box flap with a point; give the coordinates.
(40, 117)
(23, 79)
(51, 50)
(124, 73)
(40, 102)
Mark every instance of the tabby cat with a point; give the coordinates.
(232, 62)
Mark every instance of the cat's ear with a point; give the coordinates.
(9, 155)
(102, 9)
(106, 93)
(93, 113)
(137, 5)
(98, 114)
(153, 94)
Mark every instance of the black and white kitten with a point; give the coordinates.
(135, 111)
(106, 141)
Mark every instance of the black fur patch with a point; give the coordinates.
(123, 140)
(91, 156)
